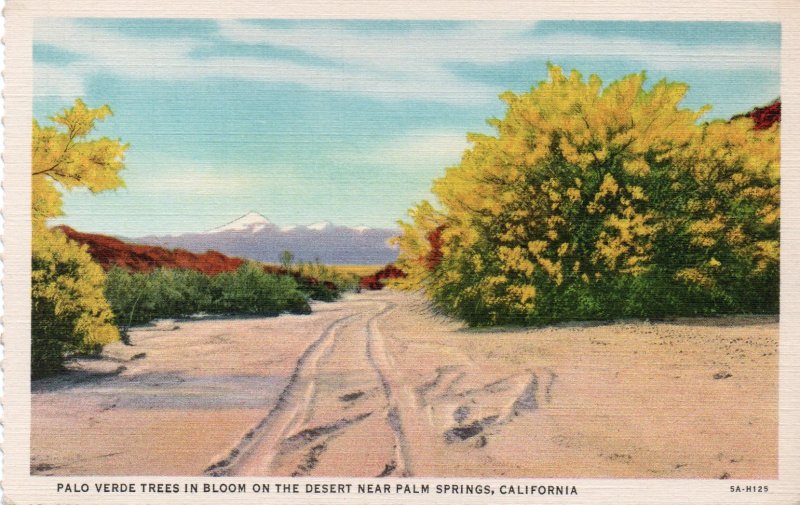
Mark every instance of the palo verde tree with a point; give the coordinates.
(593, 202)
(69, 310)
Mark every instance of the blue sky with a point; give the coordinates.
(346, 121)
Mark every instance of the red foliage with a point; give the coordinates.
(434, 257)
(764, 117)
(110, 251)
(375, 281)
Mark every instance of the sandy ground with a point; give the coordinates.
(375, 385)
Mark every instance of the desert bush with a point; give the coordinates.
(382, 278)
(324, 291)
(597, 202)
(324, 282)
(250, 290)
(139, 297)
(69, 314)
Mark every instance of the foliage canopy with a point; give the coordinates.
(63, 154)
(593, 202)
(69, 310)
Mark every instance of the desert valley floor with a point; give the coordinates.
(376, 385)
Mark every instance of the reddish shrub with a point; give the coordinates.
(764, 117)
(375, 281)
(110, 251)
(435, 255)
(370, 282)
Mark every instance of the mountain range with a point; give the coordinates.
(253, 236)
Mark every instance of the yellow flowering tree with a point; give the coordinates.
(69, 310)
(596, 202)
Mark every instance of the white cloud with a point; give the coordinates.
(169, 59)
(391, 50)
(192, 183)
(51, 80)
(415, 150)
(487, 43)
(388, 65)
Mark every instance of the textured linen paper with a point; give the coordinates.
(384, 252)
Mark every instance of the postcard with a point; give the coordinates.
(392, 252)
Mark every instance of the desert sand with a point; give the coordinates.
(377, 385)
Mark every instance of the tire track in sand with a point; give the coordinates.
(396, 416)
(292, 404)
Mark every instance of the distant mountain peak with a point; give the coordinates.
(253, 236)
(322, 225)
(252, 221)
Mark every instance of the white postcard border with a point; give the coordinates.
(20, 487)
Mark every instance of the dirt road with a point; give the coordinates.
(375, 385)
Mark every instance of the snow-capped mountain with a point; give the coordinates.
(256, 237)
(321, 226)
(252, 222)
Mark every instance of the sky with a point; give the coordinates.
(338, 120)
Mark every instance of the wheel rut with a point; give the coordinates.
(341, 379)
(399, 400)
(292, 402)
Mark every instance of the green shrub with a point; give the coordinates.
(329, 282)
(137, 298)
(249, 290)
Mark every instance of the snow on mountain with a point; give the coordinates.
(252, 221)
(322, 225)
(254, 236)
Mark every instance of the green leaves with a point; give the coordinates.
(140, 297)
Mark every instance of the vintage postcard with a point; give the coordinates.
(400, 253)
